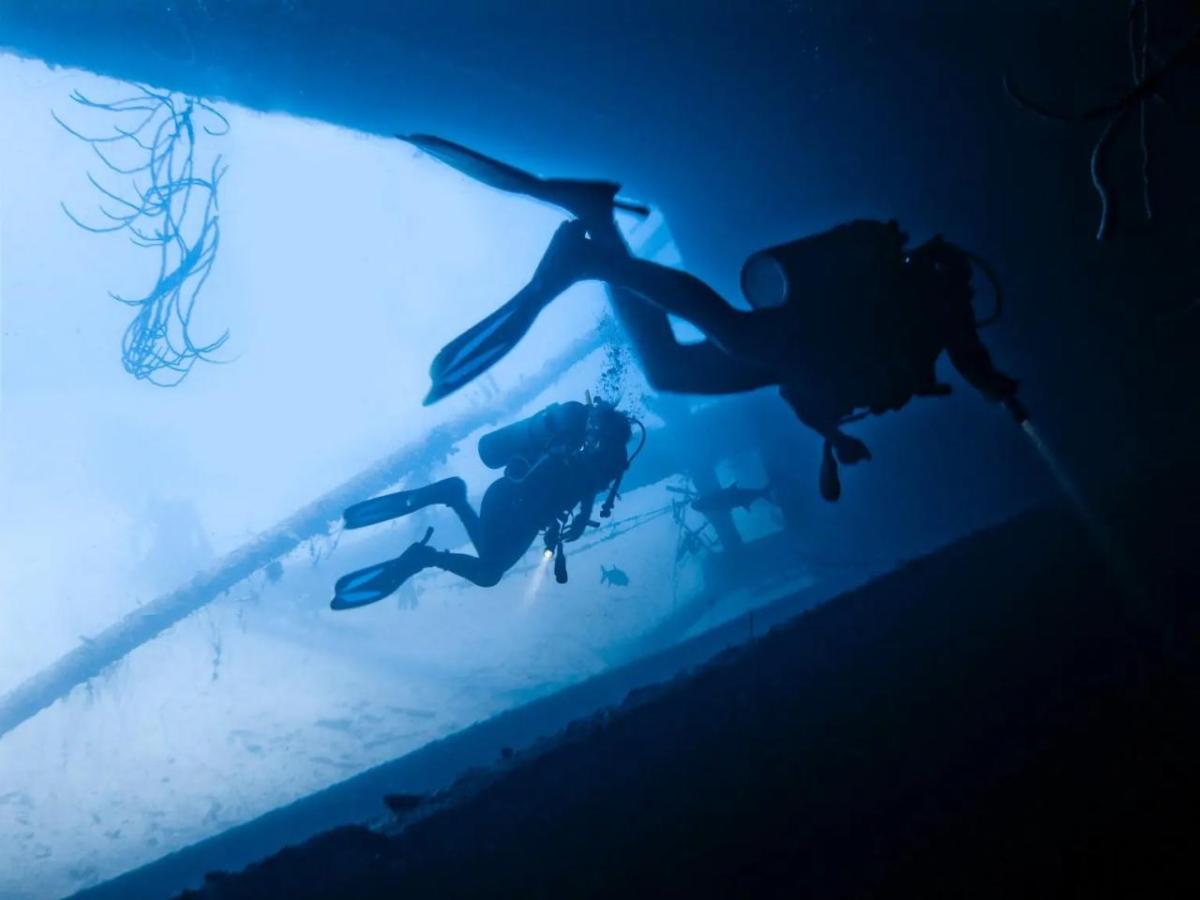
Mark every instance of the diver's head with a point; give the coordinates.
(607, 428)
(607, 441)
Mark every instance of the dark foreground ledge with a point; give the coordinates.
(997, 719)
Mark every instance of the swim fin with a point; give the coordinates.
(401, 503)
(483, 169)
(481, 346)
(372, 584)
(583, 199)
(484, 344)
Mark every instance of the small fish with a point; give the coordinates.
(730, 498)
(614, 577)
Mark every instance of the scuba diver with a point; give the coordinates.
(846, 323)
(555, 464)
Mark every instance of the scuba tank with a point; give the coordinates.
(829, 266)
(529, 438)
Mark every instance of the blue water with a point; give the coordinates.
(344, 260)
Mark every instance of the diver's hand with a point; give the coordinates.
(998, 387)
(1016, 409)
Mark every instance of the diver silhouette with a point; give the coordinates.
(555, 462)
(846, 323)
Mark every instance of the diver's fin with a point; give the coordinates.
(401, 503)
(364, 587)
(583, 199)
(484, 344)
(378, 509)
(372, 584)
(481, 346)
(476, 165)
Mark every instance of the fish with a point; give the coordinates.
(730, 498)
(614, 576)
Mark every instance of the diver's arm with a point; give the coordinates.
(944, 270)
(581, 519)
(971, 358)
(579, 522)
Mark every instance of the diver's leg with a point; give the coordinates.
(374, 583)
(698, 368)
(500, 541)
(474, 569)
(502, 534)
(679, 293)
(468, 517)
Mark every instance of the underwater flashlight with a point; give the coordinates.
(548, 553)
(1016, 409)
(560, 567)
